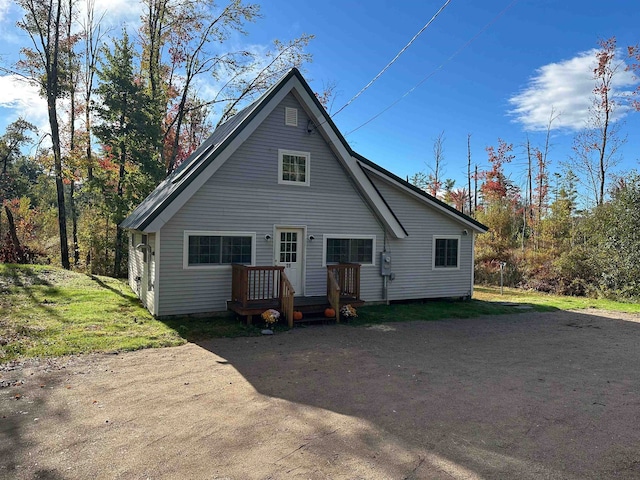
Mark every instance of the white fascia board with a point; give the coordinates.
(197, 182)
(377, 203)
(424, 199)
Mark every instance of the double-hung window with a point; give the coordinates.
(218, 248)
(349, 249)
(446, 252)
(293, 167)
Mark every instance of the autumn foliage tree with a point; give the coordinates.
(498, 209)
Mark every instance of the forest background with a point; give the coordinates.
(124, 111)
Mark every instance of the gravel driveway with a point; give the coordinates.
(528, 396)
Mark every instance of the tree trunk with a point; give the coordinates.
(57, 158)
(469, 171)
(52, 87)
(20, 257)
(475, 190)
(74, 224)
(120, 190)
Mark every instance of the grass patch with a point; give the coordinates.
(47, 311)
(486, 301)
(543, 300)
(434, 310)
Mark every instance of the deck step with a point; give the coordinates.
(312, 308)
(314, 319)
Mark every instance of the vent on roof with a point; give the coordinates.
(291, 116)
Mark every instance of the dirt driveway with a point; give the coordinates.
(525, 396)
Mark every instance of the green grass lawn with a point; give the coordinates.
(541, 301)
(486, 301)
(47, 311)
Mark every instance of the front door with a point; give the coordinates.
(289, 255)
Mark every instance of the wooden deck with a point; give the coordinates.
(256, 289)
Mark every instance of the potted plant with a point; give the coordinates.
(270, 318)
(347, 311)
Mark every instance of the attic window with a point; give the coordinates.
(293, 167)
(291, 117)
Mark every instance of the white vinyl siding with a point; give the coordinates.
(293, 167)
(142, 268)
(412, 258)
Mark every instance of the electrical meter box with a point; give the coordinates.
(385, 264)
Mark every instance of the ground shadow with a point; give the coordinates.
(23, 402)
(129, 298)
(26, 278)
(514, 396)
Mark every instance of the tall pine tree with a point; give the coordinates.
(128, 135)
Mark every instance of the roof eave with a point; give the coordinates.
(439, 204)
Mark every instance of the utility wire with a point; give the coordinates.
(436, 70)
(394, 58)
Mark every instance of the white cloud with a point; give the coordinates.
(4, 9)
(567, 88)
(116, 12)
(22, 98)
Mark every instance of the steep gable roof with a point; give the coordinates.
(174, 191)
(421, 194)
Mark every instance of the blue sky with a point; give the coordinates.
(534, 56)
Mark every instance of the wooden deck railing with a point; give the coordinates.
(259, 284)
(286, 299)
(255, 284)
(343, 280)
(347, 276)
(333, 293)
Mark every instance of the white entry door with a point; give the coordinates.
(289, 255)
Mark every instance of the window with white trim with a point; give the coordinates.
(349, 249)
(218, 248)
(293, 167)
(446, 252)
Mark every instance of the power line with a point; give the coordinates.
(394, 58)
(437, 69)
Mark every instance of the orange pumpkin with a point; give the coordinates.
(329, 313)
(297, 315)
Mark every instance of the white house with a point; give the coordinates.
(277, 204)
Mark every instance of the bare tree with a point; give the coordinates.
(469, 172)
(633, 54)
(192, 33)
(435, 177)
(595, 148)
(92, 35)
